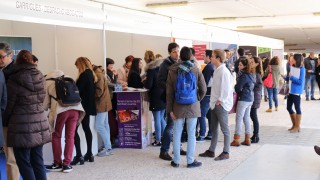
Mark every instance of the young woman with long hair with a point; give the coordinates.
(134, 79)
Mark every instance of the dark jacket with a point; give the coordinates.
(182, 110)
(163, 75)
(87, 90)
(308, 66)
(112, 80)
(257, 91)
(244, 87)
(8, 70)
(3, 102)
(134, 80)
(28, 125)
(152, 69)
(318, 74)
(207, 74)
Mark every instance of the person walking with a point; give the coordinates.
(181, 113)
(221, 102)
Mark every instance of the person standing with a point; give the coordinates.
(6, 65)
(205, 102)
(86, 85)
(265, 64)
(184, 112)
(156, 106)
(3, 105)
(59, 118)
(236, 63)
(173, 50)
(273, 68)
(295, 90)
(221, 102)
(134, 78)
(317, 73)
(124, 71)
(28, 127)
(310, 63)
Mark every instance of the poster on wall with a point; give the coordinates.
(264, 52)
(249, 50)
(232, 49)
(129, 119)
(200, 51)
(17, 44)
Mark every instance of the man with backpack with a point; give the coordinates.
(173, 50)
(185, 88)
(221, 102)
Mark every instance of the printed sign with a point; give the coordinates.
(200, 51)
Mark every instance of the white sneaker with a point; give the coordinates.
(104, 153)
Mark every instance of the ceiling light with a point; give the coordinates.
(249, 27)
(298, 49)
(316, 13)
(167, 4)
(220, 19)
(290, 44)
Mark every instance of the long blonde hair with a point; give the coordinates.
(84, 63)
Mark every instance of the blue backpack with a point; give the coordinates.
(186, 88)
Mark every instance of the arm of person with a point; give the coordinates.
(226, 85)
(299, 80)
(47, 99)
(202, 88)
(240, 83)
(100, 85)
(169, 94)
(12, 97)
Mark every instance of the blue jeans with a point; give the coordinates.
(243, 114)
(273, 94)
(204, 105)
(159, 123)
(296, 100)
(103, 128)
(177, 130)
(30, 163)
(311, 80)
(167, 134)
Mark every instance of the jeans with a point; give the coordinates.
(204, 105)
(167, 134)
(102, 126)
(68, 119)
(296, 100)
(220, 116)
(273, 94)
(159, 123)
(87, 131)
(243, 114)
(30, 163)
(310, 80)
(177, 130)
(255, 121)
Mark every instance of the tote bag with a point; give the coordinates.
(268, 82)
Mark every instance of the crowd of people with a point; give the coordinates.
(26, 96)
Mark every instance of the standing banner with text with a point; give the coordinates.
(264, 52)
(17, 44)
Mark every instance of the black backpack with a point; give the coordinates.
(67, 91)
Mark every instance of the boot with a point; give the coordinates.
(247, 141)
(255, 138)
(236, 140)
(297, 124)
(293, 118)
(265, 99)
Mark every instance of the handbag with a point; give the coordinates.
(235, 102)
(284, 89)
(268, 82)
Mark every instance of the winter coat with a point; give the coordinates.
(275, 75)
(123, 75)
(244, 87)
(103, 100)
(28, 125)
(163, 75)
(134, 80)
(3, 103)
(152, 69)
(53, 105)
(182, 110)
(87, 91)
(8, 70)
(257, 91)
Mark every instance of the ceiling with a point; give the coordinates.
(290, 20)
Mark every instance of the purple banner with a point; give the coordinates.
(129, 116)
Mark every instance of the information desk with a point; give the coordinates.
(134, 119)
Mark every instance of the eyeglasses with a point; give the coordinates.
(2, 57)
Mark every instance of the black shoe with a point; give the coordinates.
(183, 152)
(89, 158)
(208, 138)
(67, 169)
(173, 164)
(255, 139)
(165, 156)
(313, 99)
(194, 164)
(155, 143)
(54, 167)
(77, 160)
(200, 139)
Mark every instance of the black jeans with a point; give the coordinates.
(294, 99)
(87, 131)
(30, 163)
(255, 121)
